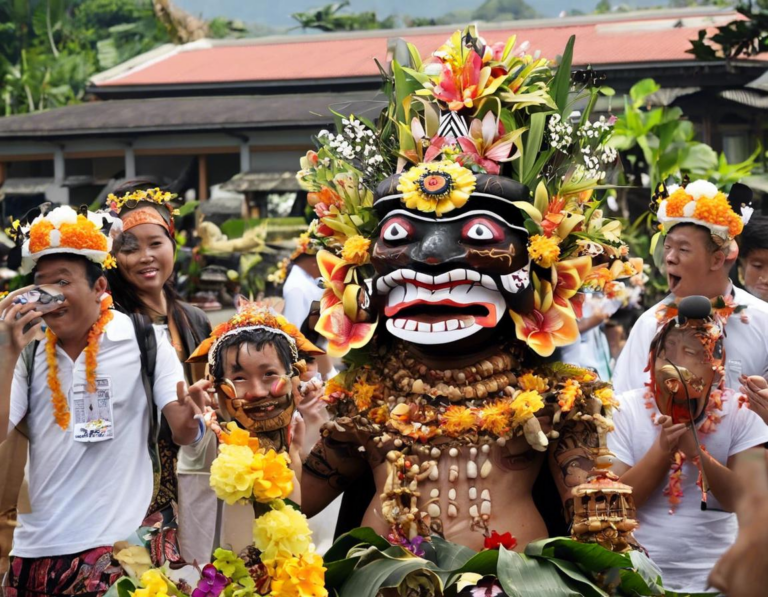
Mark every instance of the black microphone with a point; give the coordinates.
(693, 307)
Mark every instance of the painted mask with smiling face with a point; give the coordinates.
(686, 363)
(445, 278)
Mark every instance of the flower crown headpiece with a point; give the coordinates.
(134, 198)
(474, 123)
(62, 230)
(701, 203)
(252, 316)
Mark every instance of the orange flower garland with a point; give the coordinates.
(58, 399)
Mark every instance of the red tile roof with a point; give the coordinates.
(636, 38)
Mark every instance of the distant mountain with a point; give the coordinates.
(278, 14)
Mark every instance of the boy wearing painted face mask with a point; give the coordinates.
(254, 362)
(675, 441)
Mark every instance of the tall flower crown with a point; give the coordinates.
(252, 316)
(474, 123)
(700, 202)
(58, 231)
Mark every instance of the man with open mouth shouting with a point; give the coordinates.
(698, 230)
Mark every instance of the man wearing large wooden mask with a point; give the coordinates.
(675, 443)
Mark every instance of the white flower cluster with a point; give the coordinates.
(594, 130)
(560, 133)
(356, 142)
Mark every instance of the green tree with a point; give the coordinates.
(330, 18)
(603, 7)
(504, 10)
(741, 37)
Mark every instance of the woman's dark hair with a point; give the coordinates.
(123, 293)
(258, 339)
(93, 270)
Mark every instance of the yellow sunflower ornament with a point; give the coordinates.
(436, 187)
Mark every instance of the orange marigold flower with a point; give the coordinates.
(495, 417)
(39, 236)
(526, 405)
(362, 394)
(82, 235)
(544, 251)
(605, 395)
(458, 420)
(356, 249)
(531, 382)
(676, 202)
(568, 394)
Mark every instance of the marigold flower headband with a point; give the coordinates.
(62, 230)
(701, 203)
(253, 317)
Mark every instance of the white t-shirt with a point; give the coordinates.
(746, 345)
(685, 545)
(299, 290)
(89, 494)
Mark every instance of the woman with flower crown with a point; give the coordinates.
(144, 282)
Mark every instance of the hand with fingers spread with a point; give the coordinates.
(755, 388)
(669, 437)
(191, 404)
(14, 317)
(742, 571)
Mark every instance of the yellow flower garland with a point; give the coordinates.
(58, 399)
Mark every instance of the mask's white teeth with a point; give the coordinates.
(442, 279)
(462, 324)
(425, 279)
(400, 323)
(452, 324)
(411, 292)
(424, 327)
(410, 325)
(396, 296)
(473, 276)
(439, 326)
(409, 274)
(488, 283)
(458, 275)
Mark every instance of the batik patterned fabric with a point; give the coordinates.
(89, 573)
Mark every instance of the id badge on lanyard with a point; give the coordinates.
(92, 414)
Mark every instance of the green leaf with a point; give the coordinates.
(586, 586)
(561, 83)
(451, 556)
(641, 90)
(359, 536)
(484, 563)
(533, 140)
(187, 208)
(367, 580)
(530, 577)
(339, 571)
(125, 586)
(588, 555)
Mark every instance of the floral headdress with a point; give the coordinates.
(701, 203)
(469, 115)
(129, 208)
(62, 230)
(253, 317)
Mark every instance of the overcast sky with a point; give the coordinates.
(277, 13)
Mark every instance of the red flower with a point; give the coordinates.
(495, 541)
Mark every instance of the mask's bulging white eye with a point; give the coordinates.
(395, 232)
(480, 232)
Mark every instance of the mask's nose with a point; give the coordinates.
(438, 246)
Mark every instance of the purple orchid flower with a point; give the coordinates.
(212, 583)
